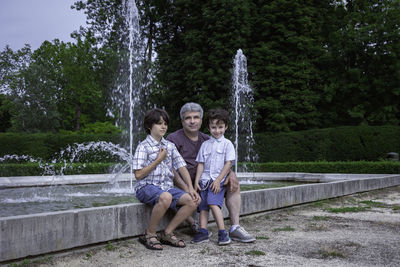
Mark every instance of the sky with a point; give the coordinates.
(35, 21)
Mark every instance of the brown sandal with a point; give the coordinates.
(145, 240)
(171, 240)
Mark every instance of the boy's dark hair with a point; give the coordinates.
(153, 116)
(220, 115)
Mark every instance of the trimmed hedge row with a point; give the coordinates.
(359, 167)
(352, 143)
(47, 146)
(351, 167)
(33, 169)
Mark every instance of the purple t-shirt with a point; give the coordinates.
(188, 148)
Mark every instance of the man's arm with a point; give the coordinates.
(178, 182)
(185, 175)
(199, 172)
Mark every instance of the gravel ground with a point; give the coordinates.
(306, 235)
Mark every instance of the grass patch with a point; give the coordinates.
(396, 207)
(373, 203)
(255, 253)
(320, 203)
(331, 254)
(283, 229)
(346, 209)
(262, 237)
(321, 218)
(110, 246)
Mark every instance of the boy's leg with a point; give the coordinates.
(217, 213)
(159, 210)
(187, 207)
(215, 202)
(179, 183)
(160, 200)
(204, 214)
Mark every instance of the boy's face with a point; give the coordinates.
(217, 128)
(159, 129)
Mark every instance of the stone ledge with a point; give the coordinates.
(25, 235)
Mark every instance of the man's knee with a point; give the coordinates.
(230, 193)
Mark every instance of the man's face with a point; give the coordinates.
(191, 122)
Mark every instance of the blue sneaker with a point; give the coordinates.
(201, 237)
(223, 238)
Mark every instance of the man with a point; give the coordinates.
(188, 141)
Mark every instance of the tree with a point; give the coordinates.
(283, 61)
(364, 81)
(81, 93)
(195, 44)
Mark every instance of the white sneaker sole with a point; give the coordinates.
(243, 240)
(224, 243)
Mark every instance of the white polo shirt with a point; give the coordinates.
(214, 153)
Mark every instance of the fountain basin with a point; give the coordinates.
(25, 235)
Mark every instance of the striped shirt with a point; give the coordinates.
(146, 153)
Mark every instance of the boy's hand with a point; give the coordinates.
(162, 154)
(215, 186)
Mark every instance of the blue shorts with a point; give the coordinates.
(209, 198)
(149, 194)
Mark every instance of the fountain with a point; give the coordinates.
(242, 101)
(53, 230)
(126, 108)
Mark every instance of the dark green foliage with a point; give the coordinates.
(196, 45)
(34, 169)
(47, 146)
(361, 167)
(312, 64)
(286, 47)
(332, 144)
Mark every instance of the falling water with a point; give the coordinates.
(242, 101)
(126, 108)
(128, 96)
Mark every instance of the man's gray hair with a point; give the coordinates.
(191, 107)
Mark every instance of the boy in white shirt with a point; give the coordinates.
(214, 159)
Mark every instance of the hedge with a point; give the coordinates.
(47, 146)
(353, 167)
(34, 169)
(352, 143)
(349, 143)
(359, 167)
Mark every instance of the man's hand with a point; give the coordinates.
(232, 181)
(195, 196)
(197, 187)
